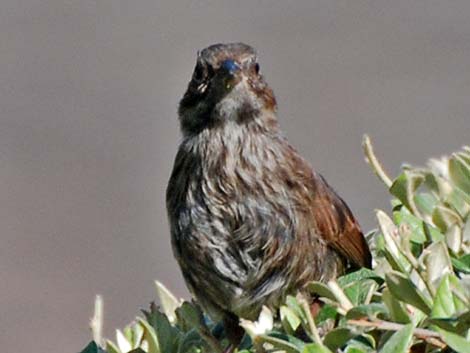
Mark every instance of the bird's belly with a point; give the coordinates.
(239, 269)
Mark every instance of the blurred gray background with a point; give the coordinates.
(88, 130)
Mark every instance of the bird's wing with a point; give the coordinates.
(337, 225)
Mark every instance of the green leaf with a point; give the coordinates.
(463, 323)
(365, 342)
(111, 347)
(437, 261)
(449, 324)
(460, 294)
(359, 275)
(298, 343)
(404, 187)
(459, 201)
(321, 290)
(358, 292)
(404, 289)
(191, 340)
(356, 285)
(459, 171)
(416, 225)
(338, 337)
(290, 321)
(391, 249)
(454, 238)
(354, 350)
(327, 312)
(462, 264)
(426, 203)
(466, 231)
(456, 342)
(128, 334)
(279, 343)
(400, 341)
(443, 301)
(465, 153)
(371, 311)
(150, 336)
(396, 309)
(93, 348)
(432, 233)
(189, 316)
(315, 348)
(294, 305)
(167, 335)
(444, 217)
(133, 334)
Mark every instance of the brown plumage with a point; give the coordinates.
(250, 219)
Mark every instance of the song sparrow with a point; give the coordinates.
(250, 220)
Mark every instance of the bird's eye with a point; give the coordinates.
(257, 68)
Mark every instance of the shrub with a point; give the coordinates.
(417, 298)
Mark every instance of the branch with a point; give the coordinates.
(429, 336)
(311, 323)
(96, 322)
(374, 163)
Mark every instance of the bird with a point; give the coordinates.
(250, 220)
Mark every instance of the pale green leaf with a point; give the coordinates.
(459, 170)
(122, 341)
(443, 301)
(315, 348)
(289, 319)
(396, 308)
(371, 311)
(437, 260)
(168, 302)
(321, 290)
(354, 350)
(400, 341)
(111, 347)
(456, 342)
(404, 289)
(404, 187)
(444, 217)
(150, 336)
(279, 343)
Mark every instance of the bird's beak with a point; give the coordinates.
(230, 67)
(231, 72)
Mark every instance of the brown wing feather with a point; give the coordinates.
(337, 225)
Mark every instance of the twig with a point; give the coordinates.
(310, 321)
(285, 346)
(343, 300)
(427, 335)
(370, 293)
(96, 322)
(373, 161)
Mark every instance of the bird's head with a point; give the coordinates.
(226, 86)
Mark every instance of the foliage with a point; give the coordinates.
(417, 298)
